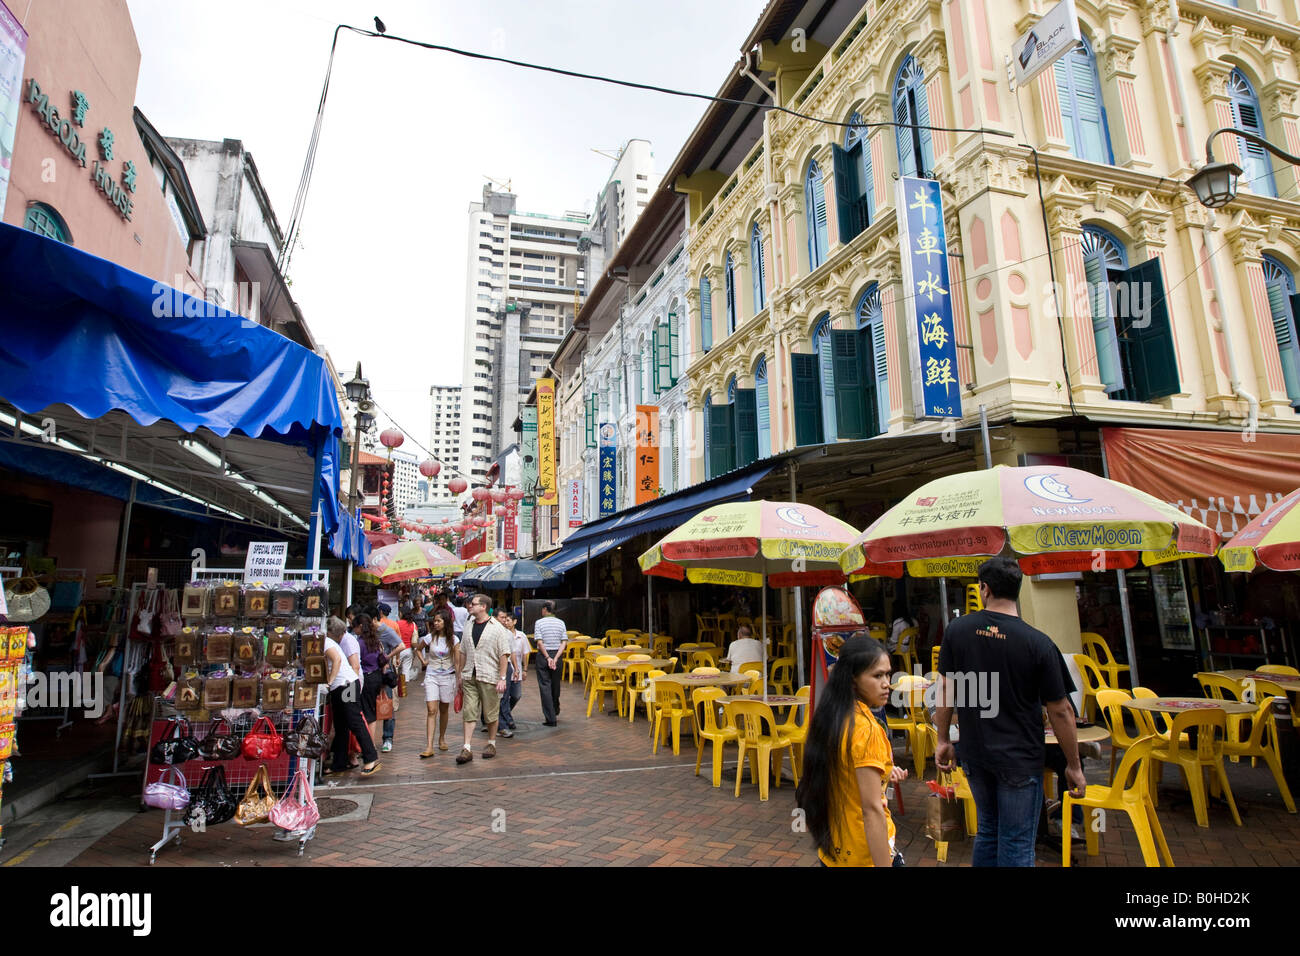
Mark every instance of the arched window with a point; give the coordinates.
(854, 197)
(915, 150)
(1083, 114)
(729, 278)
(872, 357)
(825, 352)
(763, 408)
(814, 194)
(1136, 359)
(758, 268)
(706, 314)
(1256, 169)
(42, 219)
(1284, 305)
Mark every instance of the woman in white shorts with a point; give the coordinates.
(435, 652)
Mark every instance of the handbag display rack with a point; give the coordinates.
(239, 770)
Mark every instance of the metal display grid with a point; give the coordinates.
(239, 770)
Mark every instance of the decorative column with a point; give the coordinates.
(1063, 216)
(1206, 301)
(1244, 239)
(932, 54)
(1282, 126)
(1121, 100)
(881, 142)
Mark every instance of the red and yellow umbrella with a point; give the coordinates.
(1052, 518)
(486, 559)
(409, 561)
(1272, 539)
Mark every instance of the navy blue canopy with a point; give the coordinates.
(79, 331)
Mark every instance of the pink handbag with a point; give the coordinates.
(296, 810)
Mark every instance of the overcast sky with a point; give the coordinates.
(409, 135)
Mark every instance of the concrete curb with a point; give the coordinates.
(18, 806)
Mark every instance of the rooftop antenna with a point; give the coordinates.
(496, 182)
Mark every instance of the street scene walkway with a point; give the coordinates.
(590, 793)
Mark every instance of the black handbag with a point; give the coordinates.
(390, 676)
(213, 802)
(176, 746)
(305, 740)
(217, 746)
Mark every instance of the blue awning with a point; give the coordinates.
(668, 512)
(82, 332)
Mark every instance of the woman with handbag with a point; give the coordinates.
(435, 652)
(373, 662)
(345, 692)
(848, 763)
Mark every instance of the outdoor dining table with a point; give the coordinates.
(1085, 735)
(691, 681)
(622, 665)
(1289, 684)
(1176, 705)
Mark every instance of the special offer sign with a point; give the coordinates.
(266, 560)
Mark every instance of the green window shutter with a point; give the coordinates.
(826, 381)
(925, 163)
(1283, 308)
(674, 350)
(706, 313)
(807, 401)
(663, 359)
(763, 414)
(722, 454)
(850, 409)
(592, 399)
(1103, 323)
(847, 190)
(746, 426)
(867, 376)
(1151, 339)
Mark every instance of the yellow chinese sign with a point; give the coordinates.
(546, 442)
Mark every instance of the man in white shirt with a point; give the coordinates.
(459, 616)
(551, 638)
(744, 649)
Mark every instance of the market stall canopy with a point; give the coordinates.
(1272, 539)
(1052, 517)
(129, 373)
(522, 574)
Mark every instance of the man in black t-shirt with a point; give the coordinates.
(999, 673)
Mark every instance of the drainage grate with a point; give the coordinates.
(331, 807)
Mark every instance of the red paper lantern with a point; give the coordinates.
(391, 437)
(482, 522)
(498, 495)
(479, 494)
(516, 494)
(457, 486)
(430, 468)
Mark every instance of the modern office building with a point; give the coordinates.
(444, 438)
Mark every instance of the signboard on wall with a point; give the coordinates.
(1053, 36)
(936, 389)
(647, 453)
(548, 494)
(575, 503)
(265, 561)
(528, 470)
(607, 473)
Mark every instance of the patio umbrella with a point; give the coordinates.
(485, 559)
(473, 574)
(1271, 539)
(753, 544)
(1051, 518)
(521, 574)
(410, 561)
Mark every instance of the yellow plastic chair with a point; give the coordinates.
(575, 658)
(636, 657)
(934, 659)
(1129, 794)
(1211, 726)
(755, 669)
(1159, 723)
(671, 666)
(571, 634)
(758, 737)
(1266, 688)
(1218, 687)
(605, 681)
(707, 701)
(915, 723)
(795, 726)
(709, 671)
(960, 785)
(702, 659)
(662, 646)
(648, 694)
(726, 627)
(907, 649)
(783, 676)
(1095, 646)
(1262, 743)
(1093, 681)
(1111, 703)
(671, 708)
(706, 629)
(1282, 670)
(973, 602)
(635, 679)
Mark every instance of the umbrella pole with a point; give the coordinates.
(650, 609)
(943, 606)
(1134, 680)
(589, 571)
(765, 636)
(798, 595)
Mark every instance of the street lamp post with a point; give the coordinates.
(1215, 183)
(358, 392)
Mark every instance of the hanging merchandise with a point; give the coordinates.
(169, 793)
(264, 743)
(218, 645)
(275, 693)
(26, 599)
(278, 647)
(257, 600)
(177, 746)
(225, 599)
(194, 600)
(246, 646)
(258, 800)
(170, 624)
(306, 740)
(297, 810)
(142, 625)
(217, 746)
(185, 650)
(211, 804)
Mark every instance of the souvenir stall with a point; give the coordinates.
(186, 408)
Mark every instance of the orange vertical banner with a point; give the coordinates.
(647, 453)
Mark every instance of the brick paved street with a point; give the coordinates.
(590, 793)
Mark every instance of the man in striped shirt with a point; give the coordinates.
(551, 638)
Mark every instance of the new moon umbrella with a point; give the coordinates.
(1271, 539)
(486, 559)
(752, 544)
(410, 561)
(520, 573)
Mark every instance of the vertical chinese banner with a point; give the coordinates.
(936, 391)
(528, 466)
(647, 453)
(575, 503)
(548, 493)
(510, 532)
(608, 473)
(13, 53)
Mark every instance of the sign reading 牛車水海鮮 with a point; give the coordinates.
(607, 469)
(936, 388)
(265, 561)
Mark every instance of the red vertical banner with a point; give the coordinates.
(647, 453)
(510, 534)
